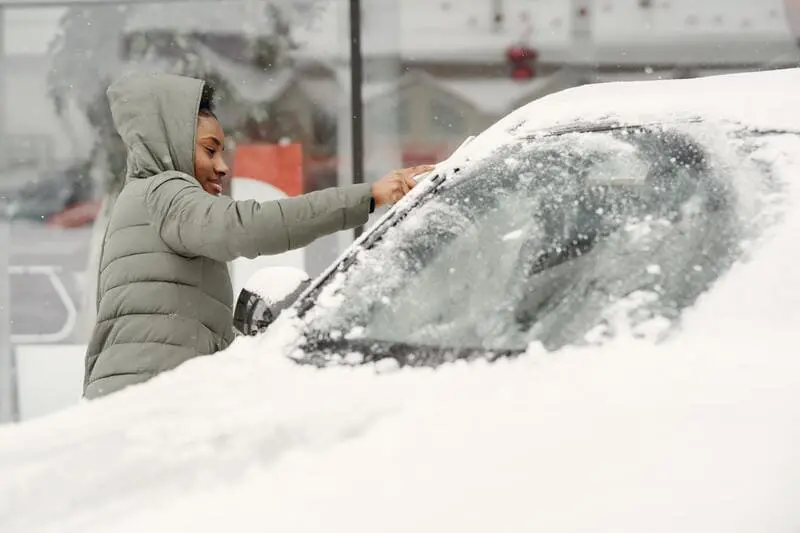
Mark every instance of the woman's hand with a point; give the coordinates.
(392, 187)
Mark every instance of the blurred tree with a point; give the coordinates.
(83, 59)
(97, 43)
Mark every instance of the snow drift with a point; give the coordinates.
(700, 433)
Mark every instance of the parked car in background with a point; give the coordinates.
(45, 195)
(594, 305)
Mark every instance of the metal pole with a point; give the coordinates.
(383, 140)
(356, 104)
(3, 107)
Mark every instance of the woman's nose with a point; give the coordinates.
(221, 168)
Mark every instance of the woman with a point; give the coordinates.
(164, 291)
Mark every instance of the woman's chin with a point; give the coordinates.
(213, 189)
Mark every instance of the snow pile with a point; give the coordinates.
(275, 283)
(697, 434)
(700, 433)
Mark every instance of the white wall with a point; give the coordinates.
(49, 378)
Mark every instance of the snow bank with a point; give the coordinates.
(698, 434)
(275, 283)
(701, 433)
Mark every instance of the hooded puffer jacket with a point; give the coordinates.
(164, 289)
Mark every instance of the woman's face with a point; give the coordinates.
(209, 167)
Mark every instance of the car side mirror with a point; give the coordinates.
(268, 292)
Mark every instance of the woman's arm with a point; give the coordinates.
(194, 223)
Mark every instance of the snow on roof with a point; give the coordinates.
(756, 99)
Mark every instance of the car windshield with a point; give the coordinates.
(563, 239)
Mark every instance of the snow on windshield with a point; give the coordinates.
(546, 240)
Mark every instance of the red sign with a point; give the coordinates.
(280, 166)
(521, 59)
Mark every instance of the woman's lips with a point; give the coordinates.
(216, 187)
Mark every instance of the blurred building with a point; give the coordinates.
(436, 71)
(463, 67)
(457, 59)
(467, 63)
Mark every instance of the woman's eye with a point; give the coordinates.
(211, 151)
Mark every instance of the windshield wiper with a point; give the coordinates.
(325, 351)
(562, 253)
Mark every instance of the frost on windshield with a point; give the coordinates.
(557, 240)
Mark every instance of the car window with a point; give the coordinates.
(557, 240)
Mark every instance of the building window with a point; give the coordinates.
(445, 119)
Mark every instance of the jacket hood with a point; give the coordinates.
(156, 116)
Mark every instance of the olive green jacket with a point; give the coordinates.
(164, 289)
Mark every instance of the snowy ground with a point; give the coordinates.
(701, 433)
(629, 438)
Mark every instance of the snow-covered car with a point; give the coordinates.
(551, 233)
(632, 246)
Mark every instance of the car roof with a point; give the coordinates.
(759, 100)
